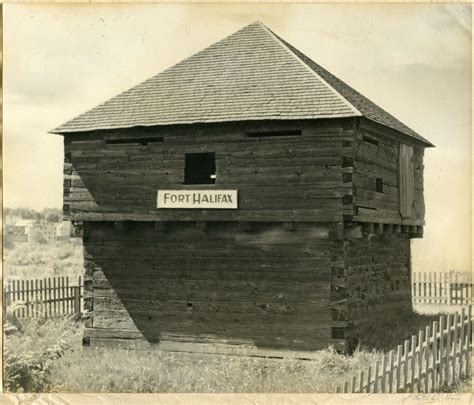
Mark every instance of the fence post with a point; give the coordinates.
(420, 358)
(390, 367)
(413, 288)
(448, 347)
(468, 340)
(399, 367)
(462, 338)
(77, 299)
(435, 355)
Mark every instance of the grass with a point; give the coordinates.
(47, 356)
(388, 332)
(116, 370)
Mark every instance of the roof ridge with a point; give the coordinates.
(302, 62)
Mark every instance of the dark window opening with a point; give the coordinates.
(337, 333)
(379, 185)
(371, 140)
(200, 168)
(262, 134)
(132, 141)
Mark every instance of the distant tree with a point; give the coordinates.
(53, 216)
(23, 212)
(37, 237)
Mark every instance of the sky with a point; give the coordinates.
(414, 60)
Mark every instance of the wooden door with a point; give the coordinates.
(406, 181)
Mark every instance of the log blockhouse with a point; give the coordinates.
(319, 193)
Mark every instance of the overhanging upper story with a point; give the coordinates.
(253, 116)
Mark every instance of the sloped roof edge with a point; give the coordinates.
(350, 102)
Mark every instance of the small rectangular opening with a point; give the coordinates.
(264, 134)
(200, 168)
(337, 333)
(371, 140)
(379, 185)
(133, 141)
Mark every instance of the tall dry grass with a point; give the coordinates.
(119, 370)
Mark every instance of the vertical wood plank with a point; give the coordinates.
(434, 356)
(27, 296)
(346, 386)
(353, 384)
(369, 377)
(405, 365)
(63, 294)
(50, 298)
(376, 376)
(33, 297)
(419, 362)
(420, 299)
(447, 288)
(413, 288)
(390, 370)
(361, 382)
(22, 289)
(468, 340)
(68, 295)
(428, 358)
(430, 294)
(15, 295)
(81, 292)
(455, 346)
(384, 369)
(18, 288)
(462, 337)
(442, 345)
(55, 293)
(40, 297)
(399, 368)
(425, 292)
(12, 295)
(413, 364)
(8, 297)
(448, 348)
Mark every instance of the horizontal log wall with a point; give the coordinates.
(373, 161)
(267, 287)
(377, 278)
(293, 178)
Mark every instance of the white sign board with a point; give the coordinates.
(199, 199)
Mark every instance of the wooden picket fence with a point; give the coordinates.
(441, 288)
(48, 297)
(437, 357)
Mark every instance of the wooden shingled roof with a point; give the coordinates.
(250, 75)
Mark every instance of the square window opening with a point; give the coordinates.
(379, 185)
(200, 168)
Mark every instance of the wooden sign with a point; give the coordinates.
(198, 199)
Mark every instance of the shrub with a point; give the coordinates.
(31, 347)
